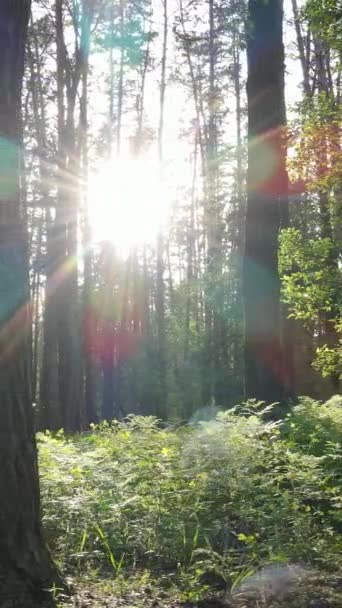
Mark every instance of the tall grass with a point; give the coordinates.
(216, 499)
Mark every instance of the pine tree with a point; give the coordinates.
(25, 565)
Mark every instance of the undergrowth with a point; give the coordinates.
(203, 505)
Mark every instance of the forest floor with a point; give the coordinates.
(236, 512)
(322, 592)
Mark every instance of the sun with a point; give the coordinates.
(127, 203)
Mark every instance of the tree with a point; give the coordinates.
(316, 165)
(88, 354)
(25, 565)
(267, 188)
(160, 290)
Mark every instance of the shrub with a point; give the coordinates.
(216, 498)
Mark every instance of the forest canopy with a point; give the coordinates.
(170, 310)
(136, 152)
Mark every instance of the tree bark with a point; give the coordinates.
(160, 287)
(121, 77)
(66, 273)
(108, 329)
(49, 411)
(301, 48)
(267, 183)
(239, 213)
(25, 565)
(88, 315)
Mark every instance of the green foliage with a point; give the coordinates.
(310, 285)
(209, 502)
(325, 18)
(315, 429)
(329, 360)
(315, 140)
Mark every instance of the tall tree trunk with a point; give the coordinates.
(49, 410)
(111, 66)
(329, 334)
(88, 314)
(108, 363)
(200, 116)
(146, 294)
(140, 102)
(108, 328)
(213, 386)
(264, 356)
(35, 297)
(25, 565)
(121, 76)
(210, 220)
(239, 213)
(160, 294)
(191, 300)
(67, 294)
(301, 48)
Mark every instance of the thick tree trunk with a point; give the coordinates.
(25, 565)
(267, 183)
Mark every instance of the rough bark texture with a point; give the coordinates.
(25, 566)
(267, 184)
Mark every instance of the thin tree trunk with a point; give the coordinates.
(36, 330)
(49, 411)
(141, 97)
(146, 321)
(88, 314)
(190, 287)
(48, 393)
(238, 238)
(121, 77)
(329, 335)
(67, 294)
(160, 295)
(111, 83)
(214, 329)
(108, 329)
(301, 48)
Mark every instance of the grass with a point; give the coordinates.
(197, 509)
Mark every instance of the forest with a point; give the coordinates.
(171, 303)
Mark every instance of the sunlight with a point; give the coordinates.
(127, 204)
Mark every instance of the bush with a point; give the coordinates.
(209, 501)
